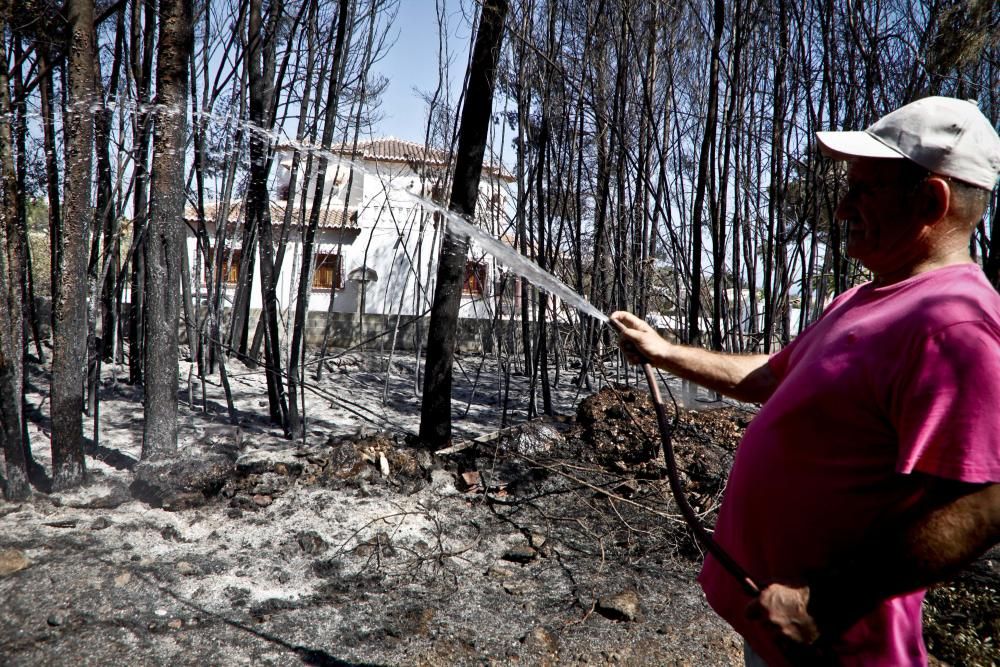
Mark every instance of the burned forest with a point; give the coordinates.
(262, 402)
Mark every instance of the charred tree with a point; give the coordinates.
(435, 415)
(141, 56)
(164, 238)
(11, 326)
(543, 298)
(305, 268)
(107, 214)
(705, 163)
(104, 245)
(775, 296)
(46, 94)
(20, 129)
(258, 211)
(69, 337)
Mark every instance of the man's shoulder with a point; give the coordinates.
(952, 296)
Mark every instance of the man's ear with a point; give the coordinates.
(934, 198)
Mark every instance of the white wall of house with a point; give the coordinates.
(388, 257)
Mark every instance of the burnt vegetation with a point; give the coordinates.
(658, 158)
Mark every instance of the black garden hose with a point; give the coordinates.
(747, 582)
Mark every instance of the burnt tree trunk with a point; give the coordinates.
(142, 66)
(20, 128)
(11, 326)
(705, 163)
(435, 414)
(108, 213)
(104, 238)
(163, 240)
(259, 213)
(69, 337)
(542, 358)
(305, 268)
(239, 321)
(51, 174)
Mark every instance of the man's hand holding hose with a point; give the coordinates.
(639, 341)
(743, 377)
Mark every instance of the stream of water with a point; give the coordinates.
(523, 266)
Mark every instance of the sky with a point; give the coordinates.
(412, 62)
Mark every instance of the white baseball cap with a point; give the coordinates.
(944, 135)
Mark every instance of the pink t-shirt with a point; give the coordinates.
(890, 380)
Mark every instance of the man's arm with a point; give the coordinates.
(743, 377)
(955, 524)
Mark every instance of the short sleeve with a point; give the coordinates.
(780, 360)
(946, 410)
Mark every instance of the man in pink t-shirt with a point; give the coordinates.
(872, 468)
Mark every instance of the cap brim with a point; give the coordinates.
(850, 145)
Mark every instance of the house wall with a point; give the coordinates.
(394, 243)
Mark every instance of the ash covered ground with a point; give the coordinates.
(558, 545)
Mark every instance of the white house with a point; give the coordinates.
(380, 227)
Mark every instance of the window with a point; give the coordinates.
(475, 278)
(230, 264)
(328, 273)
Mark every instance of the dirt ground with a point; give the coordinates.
(558, 545)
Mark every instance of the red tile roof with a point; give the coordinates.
(396, 150)
(391, 149)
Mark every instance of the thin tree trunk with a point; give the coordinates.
(112, 242)
(215, 312)
(11, 326)
(239, 323)
(51, 178)
(704, 165)
(435, 415)
(142, 74)
(543, 297)
(259, 214)
(269, 57)
(187, 300)
(354, 180)
(305, 269)
(775, 301)
(20, 130)
(104, 232)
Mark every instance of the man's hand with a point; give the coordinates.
(638, 340)
(952, 524)
(784, 609)
(743, 377)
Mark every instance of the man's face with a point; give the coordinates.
(882, 231)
